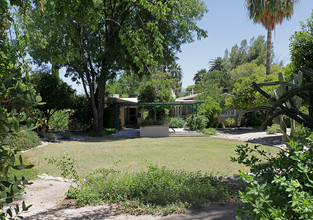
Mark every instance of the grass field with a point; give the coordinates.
(188, 153)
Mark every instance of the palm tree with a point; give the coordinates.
(269, 13)
(176, 71)
(216, 64)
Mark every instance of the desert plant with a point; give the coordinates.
(176, 122)
(24, 140)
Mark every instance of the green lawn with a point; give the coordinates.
(189, 153)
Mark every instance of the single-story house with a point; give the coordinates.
(132, 113)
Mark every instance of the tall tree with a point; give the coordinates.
(269, 13)
(301, 46)
(176, 73)
(95, 40)
(216, 64)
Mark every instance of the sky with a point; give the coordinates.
(227, 24)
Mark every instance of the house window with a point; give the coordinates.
(230, 112)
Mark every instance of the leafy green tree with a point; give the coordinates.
(211, 109)
(127, 85)
(95, 40)
(257, 51)
(301, 46)
(243, 94)
(54, 92)
(269, 13)
(237, 55)
(157, 90)
(199, 76)
(17, 101)
(192, 89)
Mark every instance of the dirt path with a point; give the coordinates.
(47, 195)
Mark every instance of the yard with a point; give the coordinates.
(204, 154)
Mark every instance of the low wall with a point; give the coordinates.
(154, 131)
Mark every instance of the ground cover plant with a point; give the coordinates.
(154, 191)
(24, 140)
(189, 153)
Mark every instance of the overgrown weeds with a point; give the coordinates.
(155, 191)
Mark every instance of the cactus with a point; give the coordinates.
(287, 100)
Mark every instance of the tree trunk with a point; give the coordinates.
(269, 51)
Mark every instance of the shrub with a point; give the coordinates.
(81, 116)
(50, 137)
(208, 131)
(196, 122)
(272, 129)
(149, 122)
(111, 116)
(157, 190)
(229, 121)
(302, 131)
(59, 120)
(66, 135)
(211, 110)
(24, 140)
(109, 131)
(252, 119)
(283, 187)
(177, 122)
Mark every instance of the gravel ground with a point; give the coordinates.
(47, 194)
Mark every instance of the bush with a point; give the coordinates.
(66, 135)
(24, 140)
(211, 110)
(149, 122)
(157, 190)
(283, 187)
(177, 122)
(209, 131)
(252, 119)
(272, 129)
(50, 137)
(109, 131)
(59, 120)
(81, 117)
(196, 122)
(230, 122)
(111, 116)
